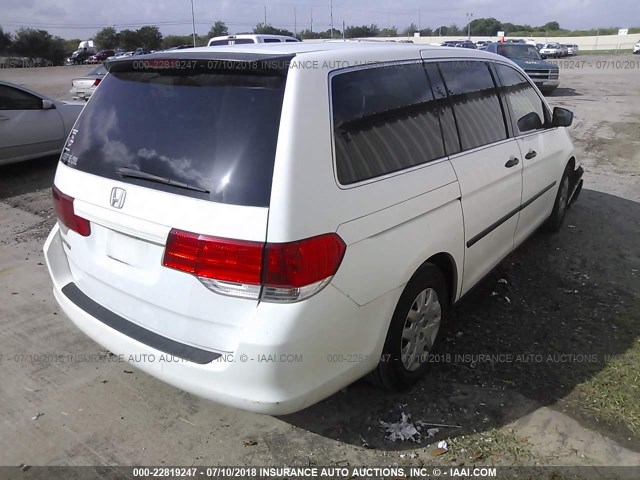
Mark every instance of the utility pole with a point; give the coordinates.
(419, 20)
(193, 21)
(265, 15)
(295, 22)
(311, 19)
(469, 17)
(343, 28)
(331, 18)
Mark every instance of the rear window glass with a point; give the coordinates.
(211, 131)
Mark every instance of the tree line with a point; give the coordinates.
(36, 43)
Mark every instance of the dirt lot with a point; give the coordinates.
(568, 304)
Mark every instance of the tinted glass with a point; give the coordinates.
(214, 131)
(215, 43)
(271, 40)
(518, 51)
(98, 71)
(14, 99)
(384, 119)
(241, 41)
(447, 121)
(521, 96)
(476, 104)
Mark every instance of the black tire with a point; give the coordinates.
(391, 373)
(560, 206)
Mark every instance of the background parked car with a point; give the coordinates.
(78, 57)
(83, 87)
(545, 75)
(636, 48)
(460, 44)
(120, 55)
(572, 48)
(101, 56)
(250, 38)
(553, 50)
(32, 125)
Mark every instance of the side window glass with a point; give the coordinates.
(475, 101)
(384, 120)
(13, 99)
(449, 131)
(527, 108)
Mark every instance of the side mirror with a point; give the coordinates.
(561, 117)
(531, 121)
(48, 105)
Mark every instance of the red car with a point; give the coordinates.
(101, 56)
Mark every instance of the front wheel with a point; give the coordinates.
(421, 310)
(555, 220)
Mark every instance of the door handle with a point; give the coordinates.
(531, 154)
(512, 162)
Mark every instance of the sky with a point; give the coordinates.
(83, 18)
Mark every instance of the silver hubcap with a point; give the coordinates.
(420, 329)
(564, 196)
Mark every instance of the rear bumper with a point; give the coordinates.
(289, 356)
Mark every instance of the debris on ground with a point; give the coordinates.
(402, 430)
(38, 415)
(442, 449)
(507, 299)
(503, 280)
(405, 430)
(364, 443)
(249, 443)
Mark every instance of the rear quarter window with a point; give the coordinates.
(385, 120)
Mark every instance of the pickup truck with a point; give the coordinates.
(545, 75)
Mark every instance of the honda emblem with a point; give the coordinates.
(117, 197)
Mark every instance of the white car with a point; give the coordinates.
(572, 49)
(636, 48)
(247, 38)
(304, 217)
(553, 50)
(32, 125)
(83, 87)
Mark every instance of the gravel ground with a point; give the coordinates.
(567, 303)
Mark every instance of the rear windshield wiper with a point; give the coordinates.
(131, 173)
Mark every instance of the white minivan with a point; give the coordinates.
(264, 226)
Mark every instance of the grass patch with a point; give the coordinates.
(493, 446)
(613, 394)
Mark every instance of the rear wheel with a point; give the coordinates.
(421, 310)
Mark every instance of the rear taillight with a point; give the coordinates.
(273, 272)
(97, 82)
(66, 215)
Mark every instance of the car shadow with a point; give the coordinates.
(24, 177)
(564, 92)
(563, 302)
